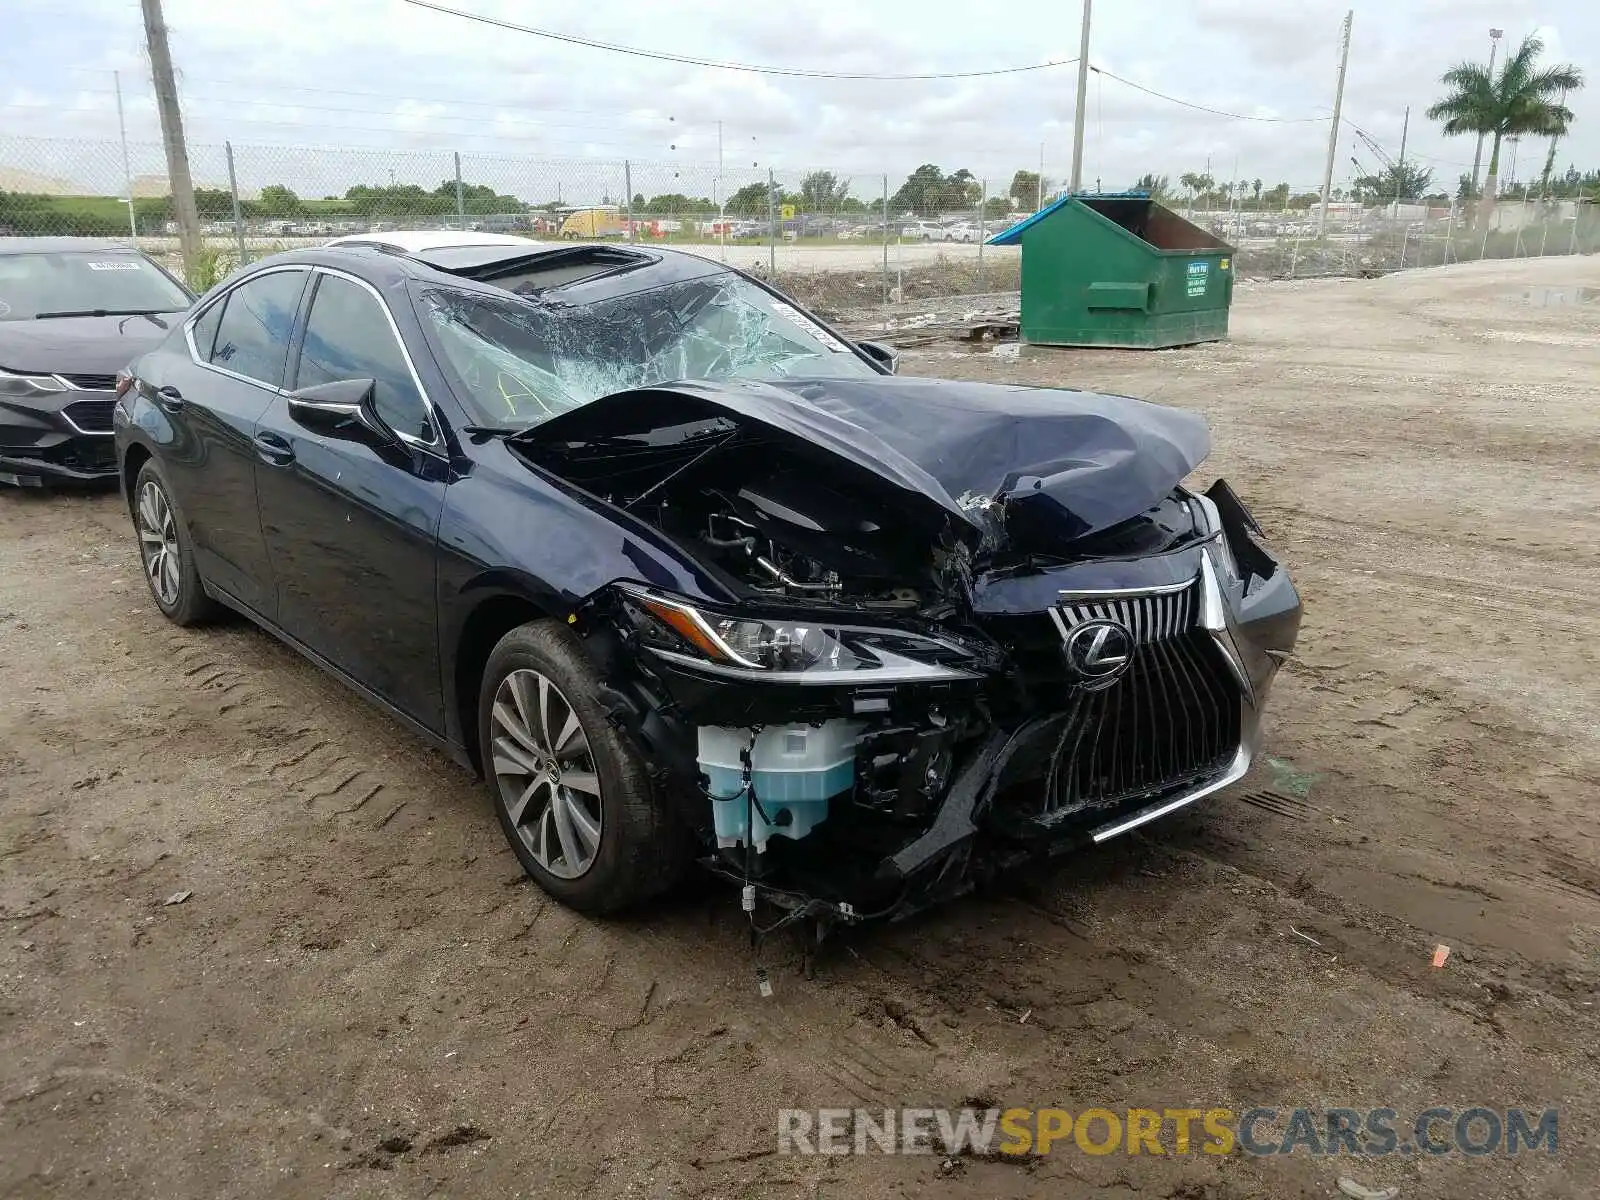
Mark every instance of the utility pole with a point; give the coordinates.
(127, 171)
(1477, 155)
(1077, 117)
(155, 36)
(1333, 129)
(1400, 163)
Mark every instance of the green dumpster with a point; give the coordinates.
(1120, 270)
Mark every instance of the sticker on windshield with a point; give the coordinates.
(112, 266)
(790, 313)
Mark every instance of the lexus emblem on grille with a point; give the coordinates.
(1098, 652)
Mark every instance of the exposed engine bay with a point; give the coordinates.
(914, 665)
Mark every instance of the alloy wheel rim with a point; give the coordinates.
(545, 772)
(158, 544)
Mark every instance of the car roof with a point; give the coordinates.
(61, 245)
(629, 268)
(413, 240)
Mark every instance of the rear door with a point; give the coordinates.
(237, 352)
(350, 522)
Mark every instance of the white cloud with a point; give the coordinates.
(394, 80)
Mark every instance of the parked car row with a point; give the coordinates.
(686, 575)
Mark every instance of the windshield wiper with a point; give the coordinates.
(490, 431)
(102, 312)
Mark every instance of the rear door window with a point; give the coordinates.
(252, 337)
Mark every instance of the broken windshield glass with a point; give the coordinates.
(523, 360)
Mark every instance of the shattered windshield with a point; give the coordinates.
(522, 360)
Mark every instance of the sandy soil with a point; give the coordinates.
(363, 997)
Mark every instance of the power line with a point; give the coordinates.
(416, 87)
(1216, 112)
(753, 68)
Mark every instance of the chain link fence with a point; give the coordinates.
(880, 234)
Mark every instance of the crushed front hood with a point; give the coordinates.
(1079, 460)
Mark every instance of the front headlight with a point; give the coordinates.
(12, 384)
(790, 651)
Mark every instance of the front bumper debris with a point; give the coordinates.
(1132, 691)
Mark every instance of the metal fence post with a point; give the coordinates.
(885, 215)
(772, 227)
(1449, 237)
(461, 204)
(627, 196)
(1544, 234)
(127, 171)
(1577, 211)
(983, 203)
(233, 187)
(1483, 250)
(1405, 240)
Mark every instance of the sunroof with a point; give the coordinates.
(517, 270)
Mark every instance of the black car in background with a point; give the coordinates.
(687, 575)
(73, 312)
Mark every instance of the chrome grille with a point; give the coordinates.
(91, 383)
(1151, 618)
(1172, 719)
(90, 416)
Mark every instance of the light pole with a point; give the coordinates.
(1477, 155)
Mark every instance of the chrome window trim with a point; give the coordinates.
(435, 445)
(221, 297)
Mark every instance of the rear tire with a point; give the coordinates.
(166, 552)
(572, 792)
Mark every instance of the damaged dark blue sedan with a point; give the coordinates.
(686, 575)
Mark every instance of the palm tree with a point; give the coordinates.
(1157, 185)
(1523, 98)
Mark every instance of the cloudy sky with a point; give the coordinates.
(407, 86)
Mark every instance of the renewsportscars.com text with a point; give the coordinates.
(1375, 1132)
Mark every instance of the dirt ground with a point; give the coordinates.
(362, 997)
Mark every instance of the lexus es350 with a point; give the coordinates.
(686, 575)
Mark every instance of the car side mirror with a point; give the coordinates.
(340, 408)
(886, 357)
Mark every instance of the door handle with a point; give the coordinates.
(169, 398)
(274, 450)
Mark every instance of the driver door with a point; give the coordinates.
(350, 517)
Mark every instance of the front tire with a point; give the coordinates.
(572, 792)
(166, 552)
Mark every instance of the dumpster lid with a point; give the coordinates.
(1013, 236)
